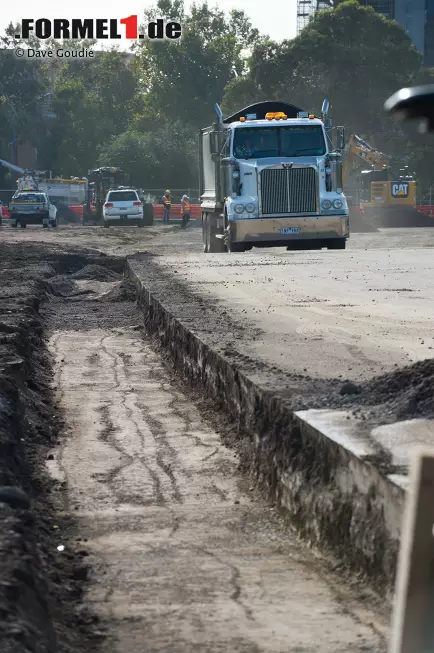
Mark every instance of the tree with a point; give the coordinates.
(164, 156)
(184, 79)
(239, 93)
(351, 55)
(21, 84)
(93, 102)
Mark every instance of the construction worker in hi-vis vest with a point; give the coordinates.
(185, 211)
(167, 202)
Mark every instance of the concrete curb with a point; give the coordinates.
(325, 478)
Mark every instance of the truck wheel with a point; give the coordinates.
(23, 225)
(53, 223)
(236, 247)
(106, 224)
(205, 233)
(337, 243)
(233, 247)
(215, 245)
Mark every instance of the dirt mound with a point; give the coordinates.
(404, 394)
(124, 292)
(61, 286)
(400, 219)
(408, 392)
(95, 272)
(40, 587)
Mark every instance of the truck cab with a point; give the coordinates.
(270, 177)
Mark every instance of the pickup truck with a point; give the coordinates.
(32, 207)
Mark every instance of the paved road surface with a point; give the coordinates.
(350, 314)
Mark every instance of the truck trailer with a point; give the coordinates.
(271, 177)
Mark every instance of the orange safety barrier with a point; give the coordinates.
(175, 211)
(78, 209)
(428, 209)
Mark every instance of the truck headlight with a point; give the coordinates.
(239, 208)
(338, 204)
(326, 204)
(250, 208)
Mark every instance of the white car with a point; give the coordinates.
(123, 207)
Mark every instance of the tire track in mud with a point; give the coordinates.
(234, 580)
(164, 449)
(108, 435)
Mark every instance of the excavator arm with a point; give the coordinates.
(11, 166)
(358, 150)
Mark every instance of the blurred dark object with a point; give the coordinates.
(413, 104)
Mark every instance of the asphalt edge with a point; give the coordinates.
(337, 500)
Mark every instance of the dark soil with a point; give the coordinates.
(40, 586)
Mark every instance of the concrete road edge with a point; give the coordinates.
(338, 499)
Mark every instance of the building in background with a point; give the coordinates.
(411, 15)
(307, 8)
(428, 52)
(384, 7)
(416, 16)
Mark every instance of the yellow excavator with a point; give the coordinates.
(386, 200)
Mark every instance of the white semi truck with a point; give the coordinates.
(271, 177)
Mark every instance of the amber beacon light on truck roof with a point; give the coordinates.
(280, 115)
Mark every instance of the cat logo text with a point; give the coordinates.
(399, 190)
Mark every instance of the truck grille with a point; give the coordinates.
(288, 191)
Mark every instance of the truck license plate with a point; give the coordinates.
(290, 230)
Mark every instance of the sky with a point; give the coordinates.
(279, 23)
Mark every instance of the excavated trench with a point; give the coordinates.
(40, 588)
(124, 517)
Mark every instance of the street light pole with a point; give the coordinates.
(14, 143)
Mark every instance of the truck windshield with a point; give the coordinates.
(264, 142)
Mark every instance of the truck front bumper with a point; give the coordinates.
(287, 230)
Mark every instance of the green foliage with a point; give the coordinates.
(165, 156)
(184, 79)
(93, 101)
(350, 55)
(144, 114)
(21, 84)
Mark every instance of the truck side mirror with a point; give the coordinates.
(214, 142)
(325, 108)
(413, 104)
(341, 138)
